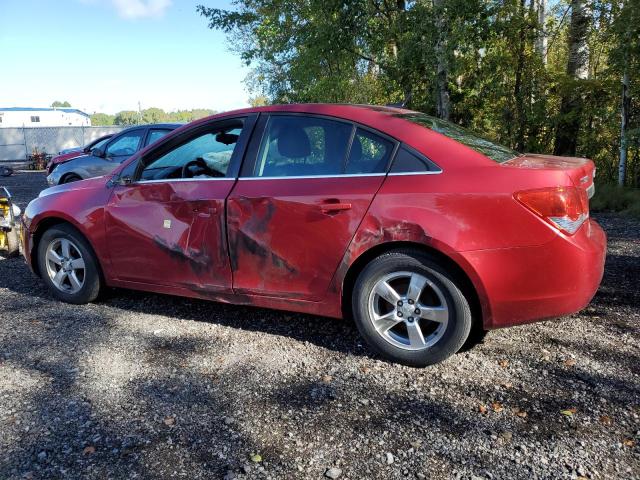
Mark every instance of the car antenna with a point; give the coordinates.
(402, 104)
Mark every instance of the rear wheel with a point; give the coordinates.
(72, 177)
(68, 265)
(409, 308)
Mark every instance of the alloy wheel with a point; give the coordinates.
(65, 265)
(408, 310)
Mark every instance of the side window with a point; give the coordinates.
(370, 153)
(207, 155)
(125, 145)
(155, 135)
(407, 161)
(302, 146)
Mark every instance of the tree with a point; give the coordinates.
(102, 119)
(541, 36)
(441, 53)
(626, 64)
(154, 115)
(577, 71)
(58, 104)
(258, 101)
(126, 117)
(536, 75)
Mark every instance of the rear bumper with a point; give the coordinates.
(526, 284)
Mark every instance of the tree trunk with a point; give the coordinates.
(518, 90)
(541, 36)
(568, 125)
(443, 108)
(624, 122)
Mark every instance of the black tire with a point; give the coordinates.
(6, 171)
(92, 278)
(72, 177)
(453, 334)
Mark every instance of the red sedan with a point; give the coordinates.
(415, 227)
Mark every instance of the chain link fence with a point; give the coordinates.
(16, 144)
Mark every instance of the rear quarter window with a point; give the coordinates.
(496, 152)
(409, 161)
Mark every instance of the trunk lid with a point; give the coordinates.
(581, 171)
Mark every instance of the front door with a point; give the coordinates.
(295, 209)
(167, 227)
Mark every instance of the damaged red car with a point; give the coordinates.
(418, 229)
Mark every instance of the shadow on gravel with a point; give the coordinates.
(325, 332)
(75, 431)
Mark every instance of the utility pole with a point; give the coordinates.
(139, 113)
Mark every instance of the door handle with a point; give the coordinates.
(205, 209)
(334, 207)
(208, 210)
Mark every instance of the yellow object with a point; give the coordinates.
(9, 224)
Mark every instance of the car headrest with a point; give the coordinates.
(293, 142)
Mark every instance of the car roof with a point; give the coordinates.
(386, 119)
(170, 126)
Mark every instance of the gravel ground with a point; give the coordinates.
(143, 385)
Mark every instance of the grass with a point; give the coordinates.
(612, 198)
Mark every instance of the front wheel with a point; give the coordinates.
(68, 265)
(72, 177)
(409, 309)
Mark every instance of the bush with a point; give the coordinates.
(612, 198)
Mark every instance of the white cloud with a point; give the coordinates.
(141, 8)
(132, 9)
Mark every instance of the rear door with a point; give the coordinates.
(306, 184)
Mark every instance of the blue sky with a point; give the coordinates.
(106, 55)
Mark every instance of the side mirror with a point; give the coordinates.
(125, 180)
(98, 152)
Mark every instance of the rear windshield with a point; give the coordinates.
(495, 152)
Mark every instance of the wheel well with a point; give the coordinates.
(463, 280)
(66, 176)
(45, 225)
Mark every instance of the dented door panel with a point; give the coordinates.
(170, 233)
(288, 236)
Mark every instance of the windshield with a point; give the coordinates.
(495, 152)
(101, 143)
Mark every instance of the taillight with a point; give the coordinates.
(566, 208)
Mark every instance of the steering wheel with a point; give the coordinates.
(198, 162)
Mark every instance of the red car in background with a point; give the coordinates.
(65, 157)
(417, 228)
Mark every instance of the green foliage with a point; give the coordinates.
(100, 119)
(484, 54)
(258, 101)
(612, 198)
(149, 115)
(59, 104)
(126, 117)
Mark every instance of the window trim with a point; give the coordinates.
(415, 152)
(176, 141)
(299, 177)
(251, 156)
